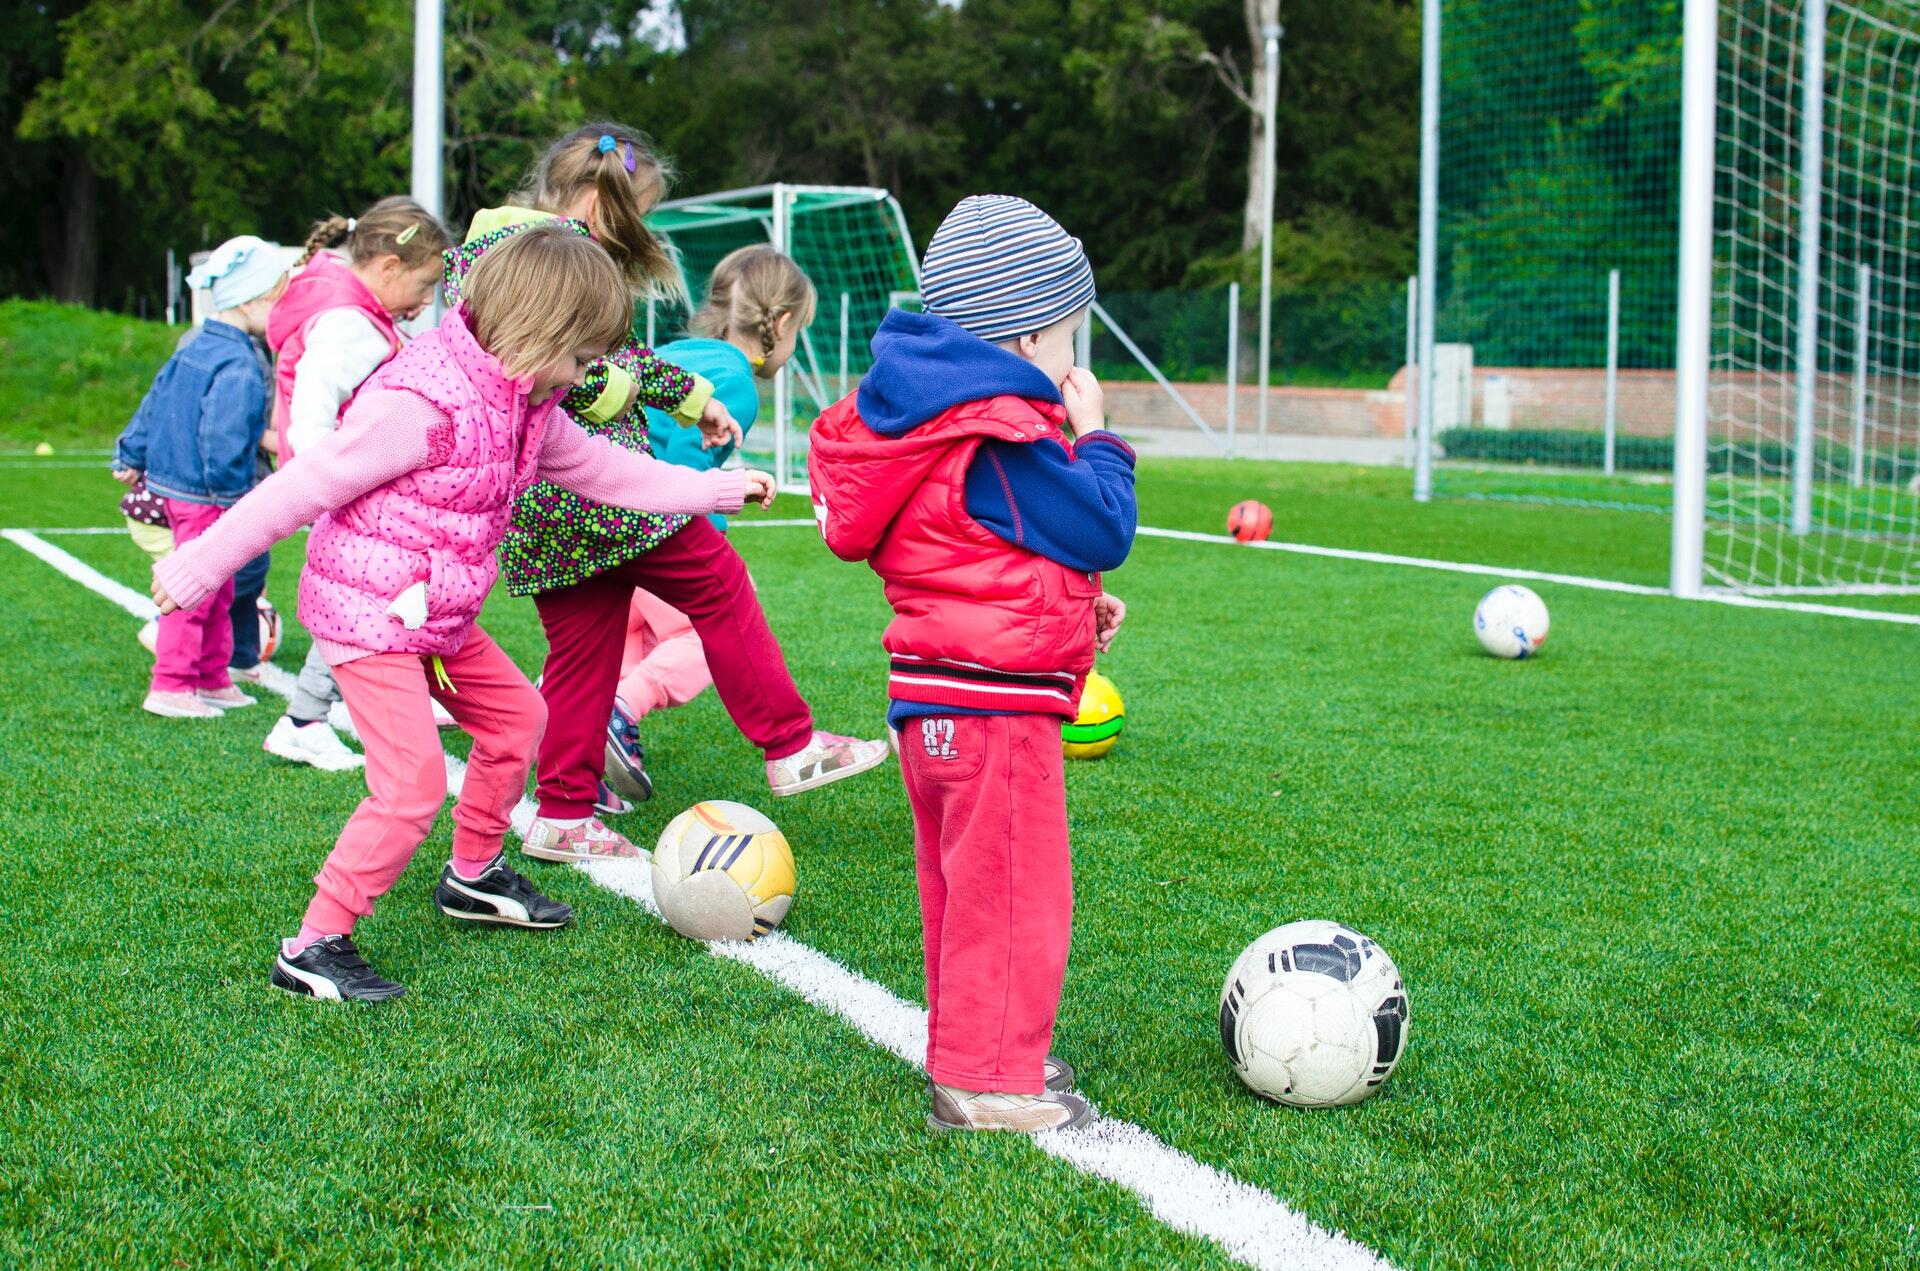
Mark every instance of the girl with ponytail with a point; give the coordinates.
(581, 560)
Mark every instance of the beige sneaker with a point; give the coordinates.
(826, 758)
(179, 706)
(227, 699)
(592, 841)
(956, 1109)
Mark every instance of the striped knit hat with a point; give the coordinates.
(999, 267)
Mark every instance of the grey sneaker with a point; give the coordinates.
(1060, 1074)
(956, 1109)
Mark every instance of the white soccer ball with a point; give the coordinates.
(1313, 1014)
(722, 871)
(1511, 621)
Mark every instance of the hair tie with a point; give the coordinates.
(632, 163)
(406, 235)
(351, 222)
(606, 143)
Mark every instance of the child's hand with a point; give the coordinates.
(126, 476)
(161, 598)
(1108, 613)
(760, 488)
(718, 426)
(1086, 403)
(633, 396)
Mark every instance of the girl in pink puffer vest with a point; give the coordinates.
(409, 499)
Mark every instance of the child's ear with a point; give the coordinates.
(783, 325)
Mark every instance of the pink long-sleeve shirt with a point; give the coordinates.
(411, 434)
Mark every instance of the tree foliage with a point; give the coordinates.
(193, 119)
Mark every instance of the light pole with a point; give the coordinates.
(1270, 34)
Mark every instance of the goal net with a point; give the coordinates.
(1813, 384)
(852, 241)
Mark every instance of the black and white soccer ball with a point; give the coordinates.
(1314, 1014)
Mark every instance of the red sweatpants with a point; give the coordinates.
(996, 892)
(697, 572)
(387, 694)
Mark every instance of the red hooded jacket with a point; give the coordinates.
(978, 622)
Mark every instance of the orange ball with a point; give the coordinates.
(1250, 521)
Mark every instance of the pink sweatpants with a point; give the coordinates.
(387, 694)
(664, 664)
(195, 643)
(996, 892)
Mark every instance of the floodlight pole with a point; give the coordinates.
(1429, 239)
(429, 122)
(1270, 35)
(1813, 99)
(428, 110)
(846, 331)
(1699, 73)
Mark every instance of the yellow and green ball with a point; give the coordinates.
(1097, 727)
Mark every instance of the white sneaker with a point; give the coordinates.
(826, 758)
(180, 706)
(441, 718)
(314, 744)
(342, 722)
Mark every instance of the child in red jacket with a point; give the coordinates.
(972, 471)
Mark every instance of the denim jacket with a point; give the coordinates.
(198, 427)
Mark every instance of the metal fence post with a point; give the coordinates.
(1429, 238)
(1233, 363)
(1699, 58)
(1813, 100)
(1863, 285)
(846, 326)
(1412, 390)
(1613, 364)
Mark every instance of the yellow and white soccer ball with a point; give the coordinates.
(1102, 715)
(722, 871)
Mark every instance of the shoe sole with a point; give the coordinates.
(169, 712)
(553, 854)
(621, 776)
(230, 706)
(491, 917)
(1080, 1118)
(300, 984)
(828, 778)
(314, 761)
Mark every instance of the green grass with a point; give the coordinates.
(71, 377)
(1654, 895)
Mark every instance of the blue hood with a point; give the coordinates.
(924, 366)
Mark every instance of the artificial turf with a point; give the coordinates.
(1654, 895)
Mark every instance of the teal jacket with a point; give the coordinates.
(733, 383)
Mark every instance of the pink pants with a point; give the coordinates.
(664, 664)
(387, 694)
(996, 892)
(194, 643)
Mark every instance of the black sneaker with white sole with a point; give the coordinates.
(498, 896)
(333, 970)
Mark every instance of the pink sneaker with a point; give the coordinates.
(589, 842)
(179, 706)
(227, 699)
(826, 758)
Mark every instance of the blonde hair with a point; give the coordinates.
(543, 293)
(750, 289)
(582, 160)
(395, 226)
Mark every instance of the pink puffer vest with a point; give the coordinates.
(324, 284)
(438, 524)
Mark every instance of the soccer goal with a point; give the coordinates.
(1797, 465)
(1675, 254)
(852, 241)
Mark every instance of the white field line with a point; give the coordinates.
(1253, 1226)
(1532, 575)
(1735, 599)
(75, 529)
